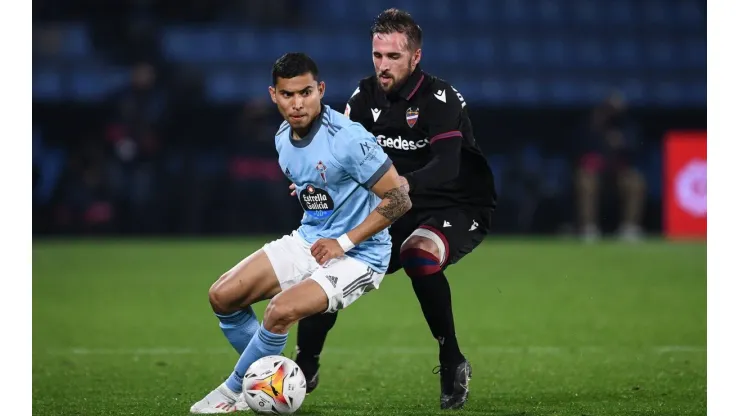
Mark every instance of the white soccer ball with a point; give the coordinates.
(274, 384)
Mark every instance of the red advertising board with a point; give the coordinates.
(685, 185)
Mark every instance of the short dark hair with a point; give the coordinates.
(294, 64)
(395, 20)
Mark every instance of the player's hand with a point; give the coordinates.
(292, 189)
(326, 249)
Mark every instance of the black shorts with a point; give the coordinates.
(461, 229)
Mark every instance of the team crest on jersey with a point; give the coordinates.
(412, 114)
(316, 202)
(321, 167)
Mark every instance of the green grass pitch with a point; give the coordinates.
(551, 328)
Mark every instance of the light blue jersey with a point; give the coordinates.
(333, 167)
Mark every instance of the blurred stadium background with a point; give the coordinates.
(152, 117)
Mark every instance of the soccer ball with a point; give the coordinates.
(274, 384)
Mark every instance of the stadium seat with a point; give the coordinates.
(590, 53)
(330, 10)
(694, 52)
(482, 51)
(551, 13)
(655, 14)
(278, 42)
(443, 11)
(493, 89)
(620, 13)
(662, 53)
(689, 14)
(95, 83)
(75, 41)
(666, 92)
(623, 53)
(479, 13)
(564, 91)
(634, 90)
(586, 13)
(554, 53)
(526, 91)
(237, 83)
(201, 45)
(521, 51)
(518, 13)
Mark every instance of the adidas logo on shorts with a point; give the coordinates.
(333, 280)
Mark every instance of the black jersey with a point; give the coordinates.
(425, 129)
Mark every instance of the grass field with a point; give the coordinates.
(551, 328)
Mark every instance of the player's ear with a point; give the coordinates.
(417, 57)
(272, 94)
(322, 88)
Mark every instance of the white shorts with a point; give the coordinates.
(344, 279)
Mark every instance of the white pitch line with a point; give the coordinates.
(679, 348)
(492, 350)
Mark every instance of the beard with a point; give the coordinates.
(395, 84)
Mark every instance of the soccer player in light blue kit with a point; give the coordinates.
(350, 193)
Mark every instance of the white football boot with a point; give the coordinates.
(221, 400)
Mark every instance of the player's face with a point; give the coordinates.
(393, 60)
(298, 99)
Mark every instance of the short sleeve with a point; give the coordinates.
(360, 155)
(352, 102)
(444, 112)
(357, 109)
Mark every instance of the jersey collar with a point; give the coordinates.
(411, 87)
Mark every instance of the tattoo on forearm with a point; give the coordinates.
(398, 203)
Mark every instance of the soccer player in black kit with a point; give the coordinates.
(422, 124)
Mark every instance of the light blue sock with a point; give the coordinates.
(263, 343)
(239, 327)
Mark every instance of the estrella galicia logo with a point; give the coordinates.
(316, 202)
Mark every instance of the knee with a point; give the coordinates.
(419, 243)
(420, 257)
(220, 300)
(280, 316)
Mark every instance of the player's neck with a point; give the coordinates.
(300, 134)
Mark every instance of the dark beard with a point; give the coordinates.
(398, 85)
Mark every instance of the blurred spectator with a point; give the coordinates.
(609, 151)
(255, 179)
(134, 141)
(86, 203)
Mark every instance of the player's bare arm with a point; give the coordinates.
(395, 202)
(393, 189)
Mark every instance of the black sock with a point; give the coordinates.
(433, 292)
(312, 332)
